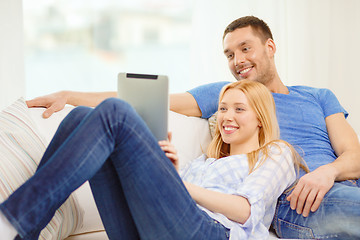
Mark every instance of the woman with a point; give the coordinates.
(229, 194)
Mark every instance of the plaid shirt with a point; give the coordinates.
(261, 188)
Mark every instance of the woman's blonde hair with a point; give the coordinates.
(262, 103)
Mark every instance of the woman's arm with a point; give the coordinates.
(235, 208)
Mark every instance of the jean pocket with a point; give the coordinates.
(291, 230)
(222, 229)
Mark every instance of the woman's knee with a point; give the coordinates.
(115, 105)
(79, 113)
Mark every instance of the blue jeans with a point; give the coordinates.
(137, 190)
(338, 216)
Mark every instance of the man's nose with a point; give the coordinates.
(239, 58)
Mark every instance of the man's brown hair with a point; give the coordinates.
(258, 26)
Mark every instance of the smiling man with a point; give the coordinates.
(325, 204)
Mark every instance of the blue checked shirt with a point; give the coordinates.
(261, 188)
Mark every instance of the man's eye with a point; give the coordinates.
(245, 49)
(229, 56)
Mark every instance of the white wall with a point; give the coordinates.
(317, 43)
(12, 81)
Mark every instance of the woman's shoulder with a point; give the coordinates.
(278, 147)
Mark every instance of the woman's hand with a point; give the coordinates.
(170, 151)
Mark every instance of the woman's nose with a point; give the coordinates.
(228, 116)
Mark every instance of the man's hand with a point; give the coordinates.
(53, 102)
(170, 151)
(311, 189)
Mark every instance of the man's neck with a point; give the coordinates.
(277, 86)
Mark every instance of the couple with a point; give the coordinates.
(323, 204)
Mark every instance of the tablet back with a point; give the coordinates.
(149, 95)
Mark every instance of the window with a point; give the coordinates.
(82, 45)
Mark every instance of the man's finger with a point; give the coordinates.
(309, 202)
(48, 112)
(293, 197)
(302, 199)
(318, 200)
(33, 103)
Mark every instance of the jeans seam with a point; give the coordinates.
(297, 227)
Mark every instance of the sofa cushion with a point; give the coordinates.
(21, 148)
(190, 136)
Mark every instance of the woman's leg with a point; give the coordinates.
(105, 183)
(66, 127)
(79, 157)
(112, 205)
(159, 203)
(157, 199)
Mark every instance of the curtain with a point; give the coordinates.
(12, 81)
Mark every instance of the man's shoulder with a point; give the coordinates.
(300, 89)
(304, 88)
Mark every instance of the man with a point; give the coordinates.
(323, 204)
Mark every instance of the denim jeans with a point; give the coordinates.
(136, 188)
(338, 216)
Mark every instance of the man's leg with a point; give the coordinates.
(338, 216)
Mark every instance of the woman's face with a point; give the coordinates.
(238, 123)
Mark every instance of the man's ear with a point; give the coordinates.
(271, 47)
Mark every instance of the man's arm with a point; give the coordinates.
(183, 103)
(56, 101)
(313, 186)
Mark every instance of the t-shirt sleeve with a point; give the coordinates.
(329, 103)
(207, 97)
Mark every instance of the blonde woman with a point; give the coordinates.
(229, 193)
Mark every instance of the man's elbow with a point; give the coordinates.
(184, 103)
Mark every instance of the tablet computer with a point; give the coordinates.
(149, 96)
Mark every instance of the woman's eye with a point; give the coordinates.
(239, 109)
(222, 109)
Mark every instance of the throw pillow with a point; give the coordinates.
(21, 149)
(212, 124)
(190, 136)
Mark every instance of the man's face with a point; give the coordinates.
(248, 57)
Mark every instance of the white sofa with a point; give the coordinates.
(190, 136)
